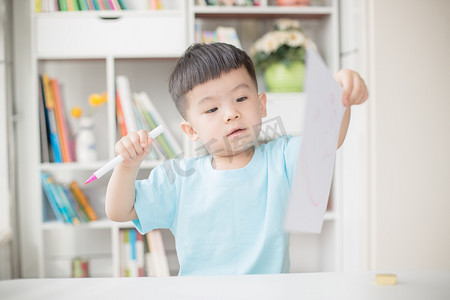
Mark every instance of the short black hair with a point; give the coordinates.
(203, 62)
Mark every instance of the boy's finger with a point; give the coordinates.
(136, 141)
(121, 150)
(129, 147)
(148, 148)
(143, 136)
(357, 91)
(345, 79)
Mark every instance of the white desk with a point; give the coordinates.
(433, 285)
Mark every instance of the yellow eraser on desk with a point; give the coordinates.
(385, 279)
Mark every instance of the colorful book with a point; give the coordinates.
(61, 122)
(46, 180)
(158, 253)
(83, 4)
(79, 211)
(131, 253)
(62, 5)
(125, 96)
(167, 138)
(122, 4)
(120, 117)
(95, 3)
(140, 257)
(101, 5)
(112, 5)
(82, 200)
(43, 125)
(90, 4)
(37, 6)
(50, 107)
(50, 188)
(61, 194)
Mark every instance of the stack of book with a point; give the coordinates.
(131, 253)
(68, 202)
(56, 144)
(77, 5)
(136, 111)
(155, 258)
(138, 258)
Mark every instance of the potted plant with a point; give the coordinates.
(280, 55)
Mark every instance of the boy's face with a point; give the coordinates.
(225, 113)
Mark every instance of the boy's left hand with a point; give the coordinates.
(354, 88)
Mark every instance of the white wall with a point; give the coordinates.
(410, 128)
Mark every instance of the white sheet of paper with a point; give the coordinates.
(312, 182)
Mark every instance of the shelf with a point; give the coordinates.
(262, 12)
(83, 34)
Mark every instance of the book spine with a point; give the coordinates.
(90, 4)
(95, 3)
(123, 5)
(127, 252)
(123, 86)
(111, 4)
(120, 117)
(76, 190)
(61, 207)
(76, 5)
(50, 197)
(70, 5)
(44, 125)
(150, 107)
(83, 5)
(50, 107)
(61, 122)
(140, 254)
(140, 122)
(159, 253)
(62, 5)
(81, 215)
(66, 202)
(101, 4)
(37, 6)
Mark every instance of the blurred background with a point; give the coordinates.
(389, 206)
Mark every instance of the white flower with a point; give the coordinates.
(285, 24)
(295, 38)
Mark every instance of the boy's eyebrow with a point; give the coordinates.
(209, 98)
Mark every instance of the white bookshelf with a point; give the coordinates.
(86, 51)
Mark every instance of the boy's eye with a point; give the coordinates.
(241, 99)
(211, 110)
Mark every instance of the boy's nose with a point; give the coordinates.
(231, 115)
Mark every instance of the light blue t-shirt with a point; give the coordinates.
(225, 222)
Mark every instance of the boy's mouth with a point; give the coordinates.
(236, 131)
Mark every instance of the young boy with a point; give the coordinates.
(225, 209)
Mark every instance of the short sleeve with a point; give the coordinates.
(155, 202)
(291, 153)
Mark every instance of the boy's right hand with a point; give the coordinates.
(134, 148)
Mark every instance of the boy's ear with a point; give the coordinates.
(189, 131)
(263, 103)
